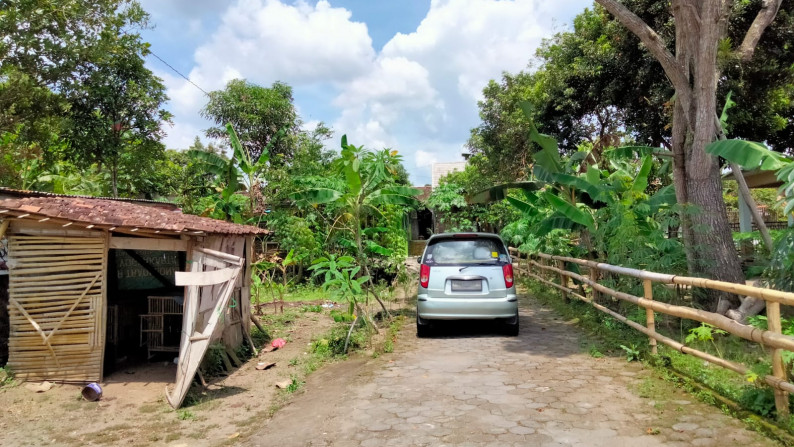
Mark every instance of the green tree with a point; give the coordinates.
(115, 113)
(693, 68)
(369, 186)
(258, 114)
(46, 47)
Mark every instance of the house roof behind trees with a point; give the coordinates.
(114, 215)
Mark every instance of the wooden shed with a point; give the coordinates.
(96, 281)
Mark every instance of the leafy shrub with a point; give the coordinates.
(333, 343)
(760, 400)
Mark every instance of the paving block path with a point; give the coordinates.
(469, 387)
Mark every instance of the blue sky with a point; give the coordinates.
(404, 74)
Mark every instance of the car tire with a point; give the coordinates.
(422, 328)
(512, 326)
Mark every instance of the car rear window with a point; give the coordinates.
(477, 250)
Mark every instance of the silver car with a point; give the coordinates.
(466, 276)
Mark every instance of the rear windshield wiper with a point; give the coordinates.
(477, 265)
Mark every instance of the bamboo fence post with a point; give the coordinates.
(650, 323)
(594, 278)
(778, 368)
(563, 281)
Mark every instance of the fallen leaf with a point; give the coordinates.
(234, 435)
(284, 384)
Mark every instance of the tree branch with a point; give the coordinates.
(765, 17)
(656, 45)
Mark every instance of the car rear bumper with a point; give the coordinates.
(460, 308)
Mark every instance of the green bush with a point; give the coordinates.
(333, 343)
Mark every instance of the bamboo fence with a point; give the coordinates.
(547, 268)
(56, 307)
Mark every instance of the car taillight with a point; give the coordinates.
(507, 269)
(424, 275)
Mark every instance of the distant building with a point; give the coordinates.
(439, 170)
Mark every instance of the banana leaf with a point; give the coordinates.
(499, 192)
(569, 210)
(556, 221)
(317, 196)
(641, 181)
(748, 154)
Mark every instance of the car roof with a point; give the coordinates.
(473, 235)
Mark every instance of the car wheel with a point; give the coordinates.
(511, 326)
(422, 328)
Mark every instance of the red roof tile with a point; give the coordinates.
(92, 211)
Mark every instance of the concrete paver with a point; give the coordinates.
(475, 388)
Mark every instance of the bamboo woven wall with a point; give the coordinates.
(56, 307)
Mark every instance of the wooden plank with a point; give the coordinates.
(192, 352)
(206, 278)
(135, 243)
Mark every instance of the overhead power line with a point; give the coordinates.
(178, 72)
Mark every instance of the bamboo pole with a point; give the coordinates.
(594, 277)
(563, 281)
(778, 367)
(767, 338)
(772, 381)
(650, 323)
(778, 296)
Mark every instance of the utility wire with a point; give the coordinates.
(177, 72)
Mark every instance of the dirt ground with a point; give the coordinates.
(133, 410)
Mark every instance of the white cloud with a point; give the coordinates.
(266, 41)
(418, 95)
(270, 40)
(424, 86)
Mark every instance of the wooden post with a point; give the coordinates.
(563, 281)
(778, 367)
(594, 278)
(649, 317)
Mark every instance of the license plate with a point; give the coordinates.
(461, 285)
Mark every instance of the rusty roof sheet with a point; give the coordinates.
(114, 213)
(424, 192)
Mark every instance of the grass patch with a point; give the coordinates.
(185, 415)
(7, 378)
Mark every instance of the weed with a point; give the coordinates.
(293, 361)
(632, 353)
(595, 353)
(185, 415)
(7, 377)
(294, 385)
(312, 308)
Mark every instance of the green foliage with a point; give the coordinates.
(7, 377)
(632, 353)
(339, 278)
(332, 344)
(185, 415)
(261, 116)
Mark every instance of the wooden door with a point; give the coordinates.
(209, 284)
(56, 307)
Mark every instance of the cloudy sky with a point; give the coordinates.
(404, 74)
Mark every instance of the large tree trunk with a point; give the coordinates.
(693, 71)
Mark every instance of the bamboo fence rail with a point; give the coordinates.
(554, 267)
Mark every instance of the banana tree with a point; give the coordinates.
(240, 172)
(369, 186)
(560, 197)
